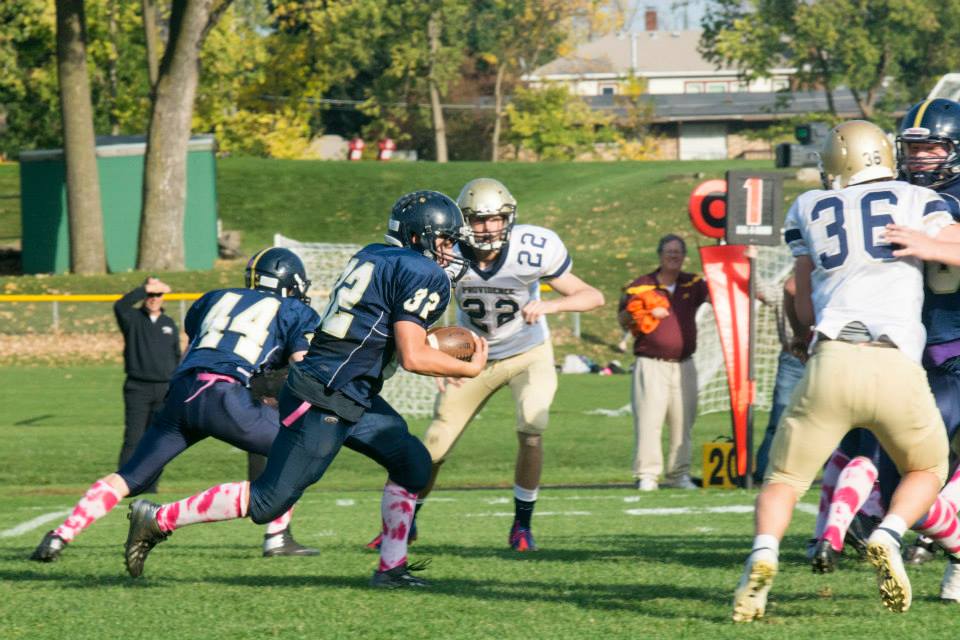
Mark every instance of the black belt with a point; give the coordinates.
(673, 360)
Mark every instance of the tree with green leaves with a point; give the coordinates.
(418, 53)
(858, 44)
(554, 124)
(84, 213)
(29, 98)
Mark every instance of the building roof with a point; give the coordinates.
(645, 52)
(703, 107)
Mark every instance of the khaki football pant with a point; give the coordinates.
(663, 391)
(532, 379)
(846, 386)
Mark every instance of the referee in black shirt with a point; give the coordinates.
(151, 353)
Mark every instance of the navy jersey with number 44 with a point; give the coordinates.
(238, 332)
(381, 285)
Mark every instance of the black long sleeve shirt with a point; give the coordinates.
(151, 349)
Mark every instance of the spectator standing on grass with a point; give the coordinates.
(151, 353)
(659, 309)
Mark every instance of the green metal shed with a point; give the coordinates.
(43, 200)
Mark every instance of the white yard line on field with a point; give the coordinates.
(30, 525)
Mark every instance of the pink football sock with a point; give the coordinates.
(951, 490)
(396, 509)
(97, 502)
(222, 502)
(277, 526)
(831, 471)
(853, 488)
(941, 525)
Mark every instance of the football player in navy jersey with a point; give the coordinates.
(234, 334)
(379, 309)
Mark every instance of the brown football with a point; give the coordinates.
(453, 341)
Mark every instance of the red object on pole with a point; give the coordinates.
(355, 149)
(387, 146)
(726, 269)
(708, 208)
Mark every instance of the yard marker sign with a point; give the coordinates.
(754, 215)
(748, 206)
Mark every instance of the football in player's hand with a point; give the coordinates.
(453, 341)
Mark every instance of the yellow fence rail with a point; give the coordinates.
(182, 298)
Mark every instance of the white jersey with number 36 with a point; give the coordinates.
(489, 301)
(856, 277)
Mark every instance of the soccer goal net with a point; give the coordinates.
(773, 266)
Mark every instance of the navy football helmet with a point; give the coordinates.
(418, 219)
(935, 124)
(278, 271)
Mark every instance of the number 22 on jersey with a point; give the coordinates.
(253, 325)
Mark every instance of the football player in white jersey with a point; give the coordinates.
(499, 299)
(864, 306)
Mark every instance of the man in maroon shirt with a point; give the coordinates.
(660, 310)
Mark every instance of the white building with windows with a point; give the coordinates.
(667, 60)
(700, 111)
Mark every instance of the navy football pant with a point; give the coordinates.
(199, 407)
(311, 438)
(945, 384)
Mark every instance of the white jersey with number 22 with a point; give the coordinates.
(489, 301)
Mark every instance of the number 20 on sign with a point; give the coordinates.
(719, 466)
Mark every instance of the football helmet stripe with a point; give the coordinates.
(920, 112)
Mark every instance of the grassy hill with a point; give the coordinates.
(609, 214)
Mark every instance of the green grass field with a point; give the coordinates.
(613, 563)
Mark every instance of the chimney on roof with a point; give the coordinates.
(650, 19)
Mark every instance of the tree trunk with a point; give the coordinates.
(150, 36)
(165, 165)
(865, 109)
(79, 145)
(497, 111)
(825, 78)
(439, 125)
(112, 80)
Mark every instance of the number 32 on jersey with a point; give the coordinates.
(350, 288)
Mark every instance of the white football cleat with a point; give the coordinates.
(647, 484)
(883, 552)
(950, 587)
(750, 598)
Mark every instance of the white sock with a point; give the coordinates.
(766, 541)
(895, 523)
(526, 495)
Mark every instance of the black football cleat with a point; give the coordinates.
(49, 548)
(283, 544)
(859, 531)
(143, 536)
(922, 551)
(400, 577)
(824, 558)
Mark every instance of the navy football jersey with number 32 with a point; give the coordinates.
(380, 285)
(238, 332)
